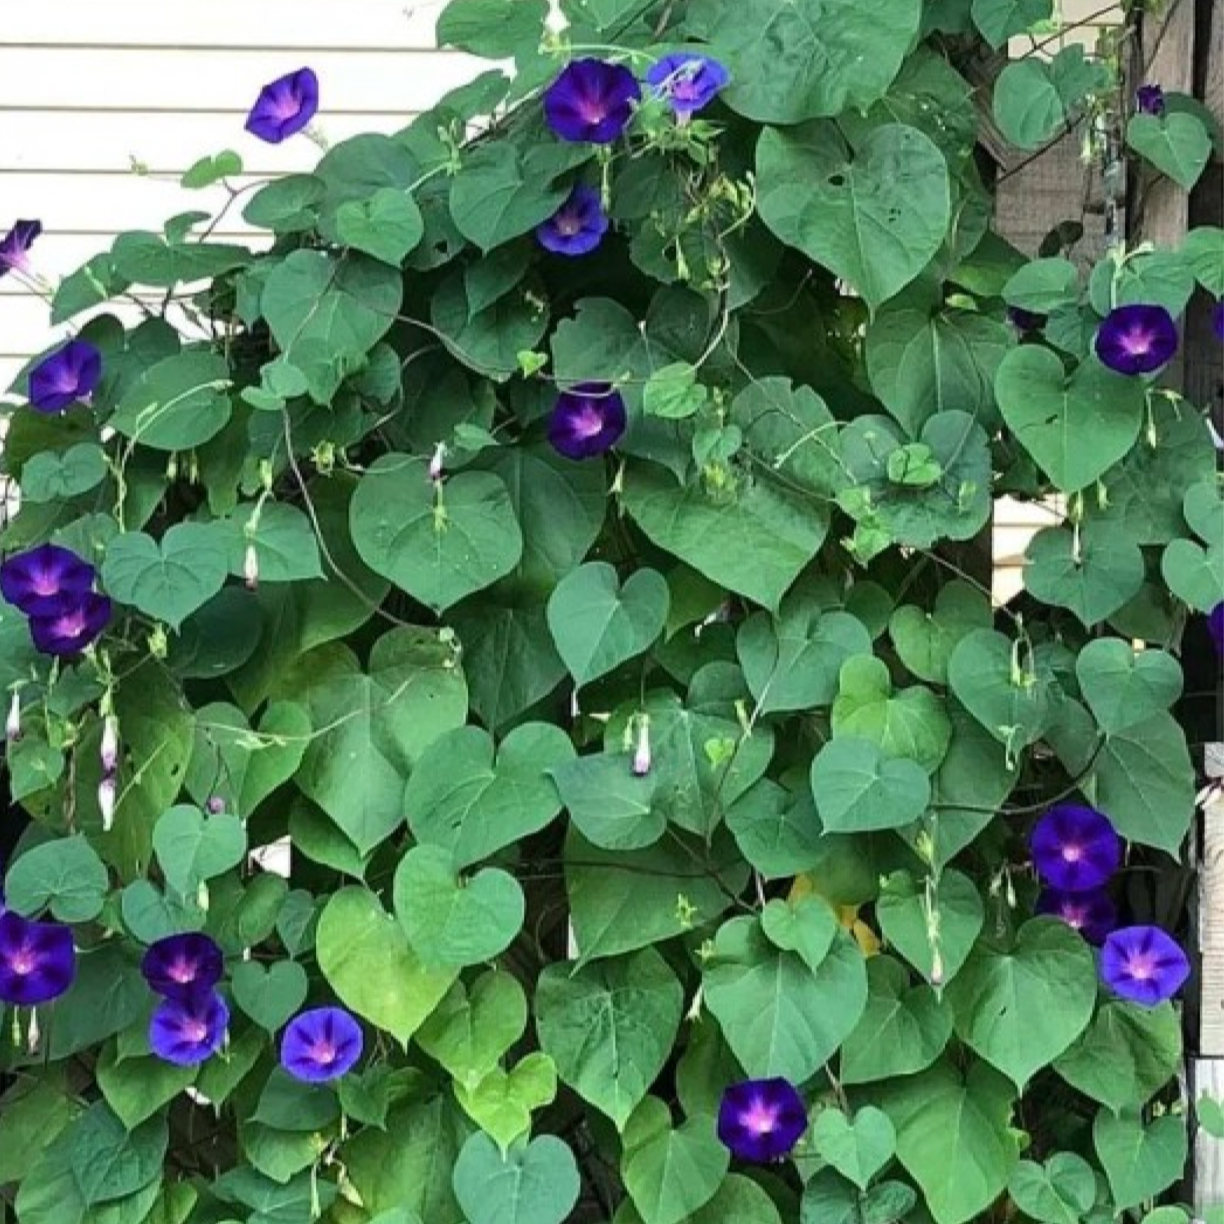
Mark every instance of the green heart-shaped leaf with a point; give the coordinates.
(1139, 1161)
(1092, 572)
(193, 848)
(611, 805)
(533, 1183)
(912, 724)
(1203, 505)
(1194, 574)
(1177, 144)
(470, 1030)
(1075, 427)
(1061, 1191)
(932, 926)
(669, 1173)
(857, 1149)
(1001, 999)
(462, 797)
(171, 580)
(1123, 687)
(365, 956)
(598, 624)
(271, 994)
(502, 1102)
(807, 927)
(456, 923)
(988, 674)
(388, 225)
(178, 403)
(833, 202)
(858, 789)
(439, 543)
(925, 640)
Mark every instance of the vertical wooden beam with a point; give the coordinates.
(1207, 1071)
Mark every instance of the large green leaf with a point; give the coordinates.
(598, 623)
(809, 58)
(387, 226)
(903, 1031)
(925, 640)
(671, 1173)
(64, 875)
(1000, 20)
(778, 1014)
(374, 725)
(611, 805)
(1000, 999)
(1075, 427)
(1122, 686)
(472, 1028)
(180, 403)
(1061, 1191)
(610, 1027)
(954, 1137)
(168, 580)
(992, 679)
(327, 312)
(192, 848)
(859, 1147)
(471, 802)
(1092, 571)
(534, 1182)
(858, 788)
(437, 542)
(495, 29)
(367, 960)
(792, 430)
(933, 925)
(1034, 98)
(1177, 144)
(1140, 1161)
(754, 541)
(874, 215)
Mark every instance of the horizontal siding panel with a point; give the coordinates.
(190, 79)
(382, 24)
(24, 326)
(43, 140)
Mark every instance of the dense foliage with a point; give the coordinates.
(562, 532)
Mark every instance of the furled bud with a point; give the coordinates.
(110, 744)
(641, 755)
(12, 728)
(437, 463)
(215, 805)
(250, 567)
(937, 968)
(107, 796)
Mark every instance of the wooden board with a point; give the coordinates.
(1208, 1151)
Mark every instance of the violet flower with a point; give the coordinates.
(1144, 965)
(1217, 320)
(1075, 848)
(70, 624)
(65, 377)
(591, 100)
(761, 1120)
(188, 1031)
(321, 1044)
(37, 960)
(1025, 321)
(180, 966)
(36, 579)
(1093, 914)
(1136, 339)
(577, 227)
(1215, 626)
(1150, 100)
(285, 106)
(587, 420)
(688, 82)
(15, 246)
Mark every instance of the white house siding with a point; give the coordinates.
(104, 104)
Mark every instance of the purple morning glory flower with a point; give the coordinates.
(577, 227)
(1215, 626)
(71, 623)
(37, 960)
(761, 1120)
(1143, 965)
(180, 966)
(1150, 100)
(1217, 320)
(285, 106)
(35, 579)
(689, 82)
(592, 101)
(587, 420)
(187, 1031)
(1075, 849)
(1136, 339)
(15, 245)
(1093, 914)
(1025, 320)
(66, 377)
(320, 1045)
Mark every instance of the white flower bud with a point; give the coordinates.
(641, 756)
(110, 744)
(437, 463)
(250, 567)
(12, 728)
(107, 796)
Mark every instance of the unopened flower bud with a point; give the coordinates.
(641, 755)
(110, 744)
(937, 968)
(250, 567)
(12, 728)
(33, 1033)
(437, 463)
(215, 805)
(107, 796)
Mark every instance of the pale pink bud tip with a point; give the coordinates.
(250, 567)
(215, 805)
(641, 756)
(106, 803)
(12, 728)
(110, 744)
(437, 463)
